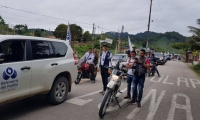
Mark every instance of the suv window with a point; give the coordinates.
(41, 50)
(12, 51)
(60, 49)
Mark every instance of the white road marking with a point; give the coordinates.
(181, 79)
(153, 105)
(159, 80)
(165, 81)
(81, 102)
(116, 107)
(186, 107)
(194, 81)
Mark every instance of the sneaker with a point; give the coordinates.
(130, 102)
(101, 92)
(127, 97)
(139, 104)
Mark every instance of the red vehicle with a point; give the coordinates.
(84, 72)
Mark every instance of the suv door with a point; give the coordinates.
(45, 67)
(15, 70)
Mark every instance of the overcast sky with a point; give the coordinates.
(109, 15)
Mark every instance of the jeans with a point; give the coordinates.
(156, 69)
(138, 84)
(134, 89)
(129, 82)
(104, 75)
(92, 72)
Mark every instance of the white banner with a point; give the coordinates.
(107, 40)
(130, 45)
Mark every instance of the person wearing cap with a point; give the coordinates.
(105, 58)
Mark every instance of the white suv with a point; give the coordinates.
(32, 65)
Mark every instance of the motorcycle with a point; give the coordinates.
(151, 70)
(112, 88)
(84, 72)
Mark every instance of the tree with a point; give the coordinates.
(60, 31)
(195, 39)
(87, 36)
(2, 22)
(76, 32)
(180, 45)
(37, 33)
(21, 29)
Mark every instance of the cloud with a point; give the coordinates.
(110, 15)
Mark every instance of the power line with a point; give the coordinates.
(41, 14)
(26, 17)
(38, 20)
(31, 20)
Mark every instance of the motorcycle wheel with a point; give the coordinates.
(78, 79)
(105, 103)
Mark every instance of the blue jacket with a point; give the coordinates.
(107, 59)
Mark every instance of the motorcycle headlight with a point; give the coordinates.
(115, 78)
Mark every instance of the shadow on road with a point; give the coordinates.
(22, 107)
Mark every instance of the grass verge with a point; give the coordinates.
(195, 68)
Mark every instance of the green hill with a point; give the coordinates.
(158, 41)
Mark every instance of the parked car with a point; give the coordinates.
(168, 57)
(33, 65)
(116, 57)
(160, 58)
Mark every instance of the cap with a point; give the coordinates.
(105, 45)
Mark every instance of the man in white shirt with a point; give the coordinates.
(103, 65)
(89, 58)
(130, 63)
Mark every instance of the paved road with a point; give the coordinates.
(174, 96)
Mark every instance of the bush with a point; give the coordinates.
(197, 68)
(82, 49)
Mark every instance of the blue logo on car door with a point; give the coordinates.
(9, 73)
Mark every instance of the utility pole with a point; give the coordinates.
(149, 25)
(101, 35)
(93, 36)
(120, 40)
(7, 28)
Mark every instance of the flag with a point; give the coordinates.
(68, 36)
(130, 45)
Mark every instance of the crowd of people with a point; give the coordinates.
(136, 67)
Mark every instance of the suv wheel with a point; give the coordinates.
(59, 91)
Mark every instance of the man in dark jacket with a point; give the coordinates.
(153, 59)
(142, 64)
(104, 63)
